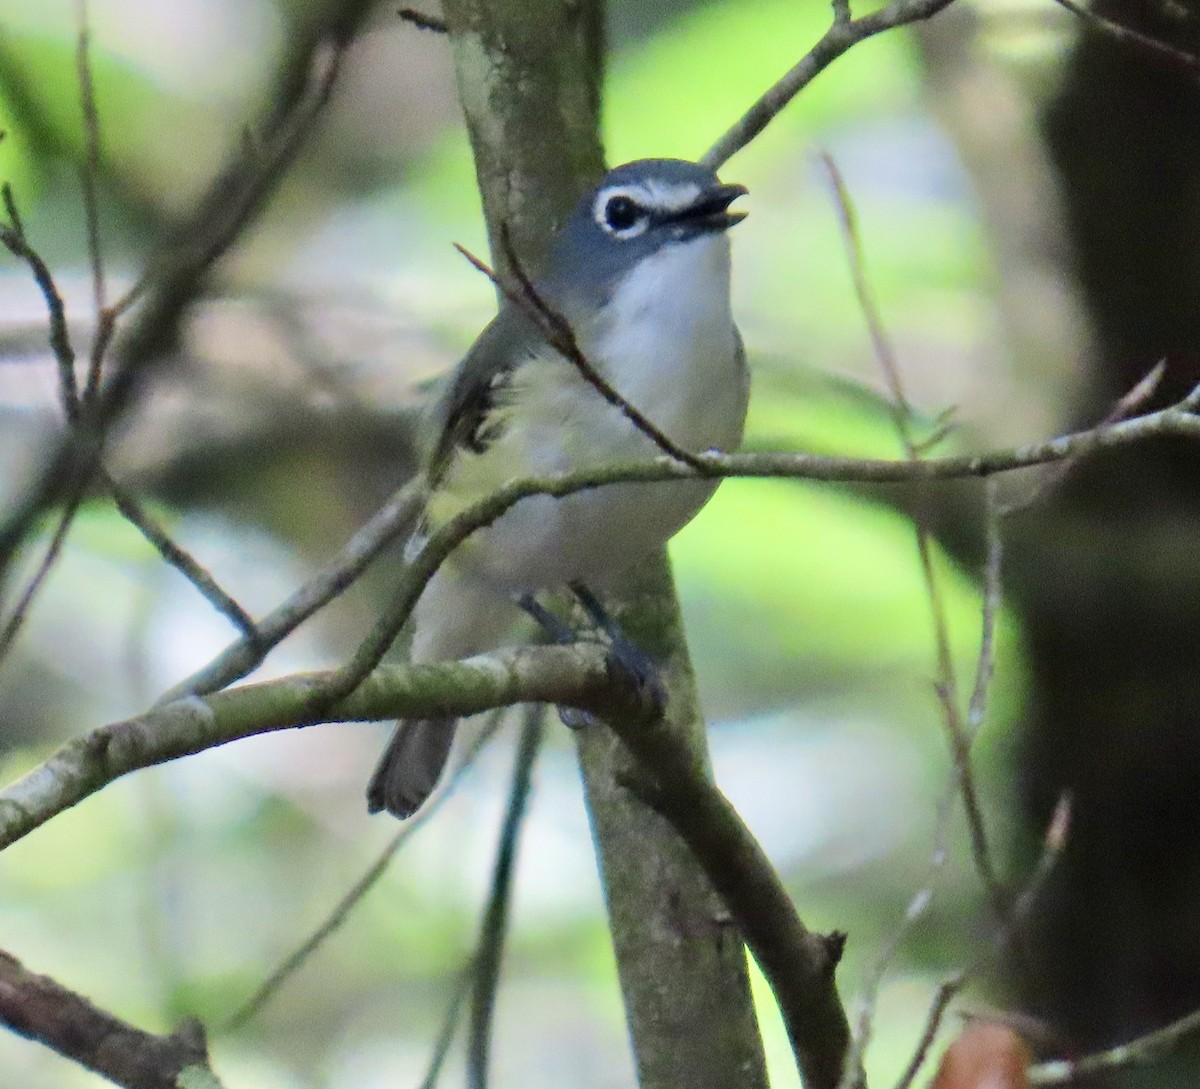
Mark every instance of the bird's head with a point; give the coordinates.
(636, 211)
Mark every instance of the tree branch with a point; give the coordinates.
(1140, 1050)
(798, 964)
(574, 676)
(350, 900)
(842, 35)
(41, 1009)
(393, 520)
(1177, 58)
(245, 654)
(558, 333)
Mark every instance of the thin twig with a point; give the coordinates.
(1178, 58)
(922, 900)
(945, 994)
(1053, 842)
(354, 896)
(232, 201)
(181, 560)
(12, 237)
(1141, 1049)
(393, 520)
(1132, 402)
(902, 416)
(450, 1021)
(838, 39)
(20, 612)
(992, 586)
(946, 685)
(885, 353)
(560, 336)
(494, 925)
(88, 173)
(1174, 420)
(239, 658)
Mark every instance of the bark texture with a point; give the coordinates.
(680, 956)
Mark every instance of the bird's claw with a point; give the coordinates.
(632, 667)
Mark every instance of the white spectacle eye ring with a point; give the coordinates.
(620, 214)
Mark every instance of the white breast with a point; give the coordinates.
(666, 341)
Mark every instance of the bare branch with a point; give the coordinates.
(12, 237)
(946, 992)
(1145, 43)
(445, 1036)
(1131, 402)
(798, 964)
(43, 1010)
(885, 354)
(576, 676)
(960, 734)
(838, 39)
(985, 665)
(88, 172)
(1053, 842)
(181, 560)
(241, 657)
(16, 620)
(1140, 1050)
(946, 685)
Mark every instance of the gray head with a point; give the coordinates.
(636, 210)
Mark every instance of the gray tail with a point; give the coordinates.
(410, 766)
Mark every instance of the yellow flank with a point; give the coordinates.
(538, 433)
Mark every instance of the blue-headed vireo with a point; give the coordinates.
(640, 272)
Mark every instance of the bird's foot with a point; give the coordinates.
(632, 667)
(628, 664)
(559, 631)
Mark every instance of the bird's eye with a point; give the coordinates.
(621, 213)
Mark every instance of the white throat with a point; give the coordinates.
(667, 341)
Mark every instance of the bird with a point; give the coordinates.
(640, 272)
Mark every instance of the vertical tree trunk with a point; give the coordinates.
(529, 75)
(681, 960)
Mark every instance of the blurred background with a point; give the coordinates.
(1027, 206)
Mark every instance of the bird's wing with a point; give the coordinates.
(468, 416)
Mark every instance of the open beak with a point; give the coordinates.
(711, 211)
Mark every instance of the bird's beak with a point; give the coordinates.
(711, 210)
